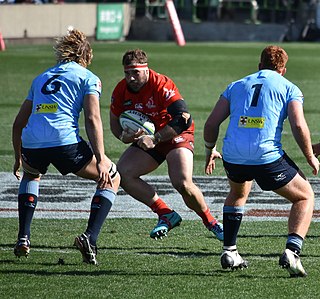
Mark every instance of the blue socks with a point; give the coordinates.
(27, 202)
(294, 243)
(232, 217)
(100, 206)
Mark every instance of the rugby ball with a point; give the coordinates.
(134, 120)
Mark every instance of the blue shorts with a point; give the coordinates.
(269, 176)
(66, 159)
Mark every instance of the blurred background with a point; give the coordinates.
(201, 20)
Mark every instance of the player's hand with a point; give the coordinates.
(211, 161)
(16, 169)
(129, 136)
(104, 181)
(316, 149)
(314, 163)
(146, 142)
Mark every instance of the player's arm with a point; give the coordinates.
(20, 122)
(94, 130)
(301, 133)
(211, 132)
(180, 121)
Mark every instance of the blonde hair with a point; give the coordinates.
(274, 58)
(73, 46)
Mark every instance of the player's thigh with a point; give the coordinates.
(180, 165)
(297, 189)
(135, 162)
(89, 171)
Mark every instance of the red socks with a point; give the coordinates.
(160, 207)
(207, 218)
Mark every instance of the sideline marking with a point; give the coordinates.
(70, 197)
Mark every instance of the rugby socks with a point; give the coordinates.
(27, 202)
(232, 217)
(100, 207)
(294, 243)
(160, 207)
(207, 219)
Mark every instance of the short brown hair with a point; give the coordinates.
(274, 58)
(134, 56)
(73, 46)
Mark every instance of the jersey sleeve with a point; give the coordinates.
(227, 94)
(169, 92)
(295, 94)
(115, 105)
(93, 85)
(30, 94)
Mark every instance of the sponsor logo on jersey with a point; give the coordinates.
(179, 139)
(127, 103)
(138, 106)
(169, 93)
(251, 122)
(150, 104)
(47, 108)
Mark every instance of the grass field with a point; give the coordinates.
(200, 70)
(131, 265)
(186, 264)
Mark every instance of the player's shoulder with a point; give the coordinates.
(159, 80)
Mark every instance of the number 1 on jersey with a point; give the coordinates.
(256, 93)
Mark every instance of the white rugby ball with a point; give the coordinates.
(134, 120)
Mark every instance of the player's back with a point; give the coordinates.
(57, 96)
(258, 108)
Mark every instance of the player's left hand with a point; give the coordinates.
(210, 161)
(16, 169)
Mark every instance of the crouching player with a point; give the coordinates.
(46, 131)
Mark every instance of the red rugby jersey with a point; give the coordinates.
(152, 99)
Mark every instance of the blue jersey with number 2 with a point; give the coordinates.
(258, 109)
(57, 96)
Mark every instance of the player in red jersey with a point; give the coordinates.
(157, 96)
(316, 149)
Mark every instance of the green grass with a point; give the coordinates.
(200, 70)
(186, 264)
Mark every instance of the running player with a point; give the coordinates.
(157, 96)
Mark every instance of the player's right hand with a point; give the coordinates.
(129, 136)
(210, 161)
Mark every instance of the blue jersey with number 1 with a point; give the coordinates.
(57, 96)
(258, 109)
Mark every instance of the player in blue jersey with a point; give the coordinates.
(46, 131)
(257, 107)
